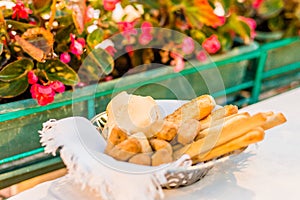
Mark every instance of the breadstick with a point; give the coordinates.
(218, 135)
(274, 120)
(252, 136)
(197, 108)
(218, 122)
(220, 113)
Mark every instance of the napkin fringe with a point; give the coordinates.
(92, 175)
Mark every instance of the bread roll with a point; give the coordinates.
(132, 113)
(125, 150)
(141, 159)
(162, 156)
(188, 131)
(158, 144)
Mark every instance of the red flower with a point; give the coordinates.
(57, 86)
(20, 11)
(146, 27)
(43, 94)
(77, 45)
(110, 50)
(256, 4)
(32, 78)
(188, 45)
(212, 45)
(127, 29)
(65, 57)
(110, 5)
(201, 56)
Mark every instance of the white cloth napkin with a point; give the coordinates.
(81, 148)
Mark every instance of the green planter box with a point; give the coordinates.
(20, 121)
(281, 63)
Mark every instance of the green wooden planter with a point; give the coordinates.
(20, 121)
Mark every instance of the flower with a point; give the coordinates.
(146, 27)
(188, 45)
(65, 57)
(32, 78)
(145, 38)
(20, 11)
(201, 56)
(212, 45)
(111, 50)
(127, 29)
(256, 4)
(57, 86)
(77, 46)
(110, 5)
(55, 46)
(43, 94)
(178, 61)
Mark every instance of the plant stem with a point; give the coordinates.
(53, 11)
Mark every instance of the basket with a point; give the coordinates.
(178, 177)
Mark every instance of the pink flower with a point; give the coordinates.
(32, 78)
(212, 45)
(110, 5)
(77, 45)
(127, 29)
(145, 38)
(146, 27)
(65, 57)
(179, 65)
(43, 94)
(111, 50)
(20, 11)
(201, 56)
(178, 62)
(256, 4)
(57, 86)
(251, 23)
(188, 45)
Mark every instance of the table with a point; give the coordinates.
(268, 170)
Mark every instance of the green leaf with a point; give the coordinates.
(19, 25)
(57, 70)
(270, 8)
(41, 5)
(16, 69)
(13, 88)
(98, 62)
(95, 38)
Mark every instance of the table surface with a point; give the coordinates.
(267, 170)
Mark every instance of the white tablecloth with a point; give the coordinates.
(268, 170)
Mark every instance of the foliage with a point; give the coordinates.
(52, 45)
(274, 15)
